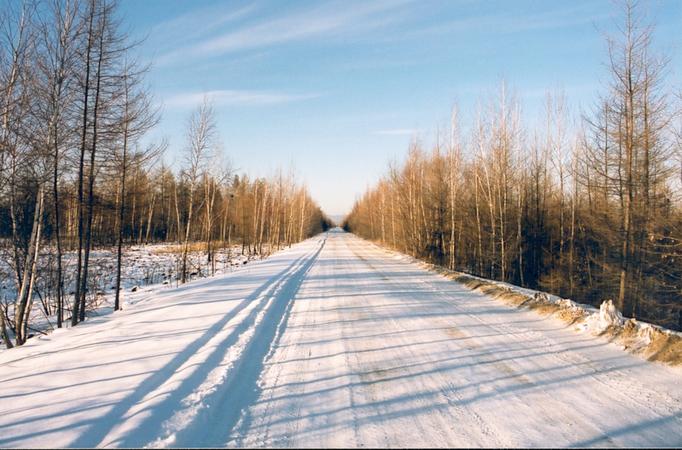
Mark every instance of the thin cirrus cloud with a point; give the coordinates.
(325, 20)
(196, 23)
(570, 16)
(225, 97)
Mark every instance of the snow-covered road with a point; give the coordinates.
(332, 343)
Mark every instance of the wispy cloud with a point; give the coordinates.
(329, 19)
(199, 22)
(224, 97)
(507, 23)
(398, 132)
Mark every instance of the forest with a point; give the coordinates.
(586, 206)
(76, 173)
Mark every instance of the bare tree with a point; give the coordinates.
(201, 136)
(136, 117)
(59, 35)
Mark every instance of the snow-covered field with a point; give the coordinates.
(332, 343)
(145, 269)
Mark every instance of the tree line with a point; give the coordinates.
(75, 173)
(590, 212)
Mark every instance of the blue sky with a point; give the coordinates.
(339, 88)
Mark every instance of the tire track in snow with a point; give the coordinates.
(266, 440)
(283, 420)
(95, 435)
(225, 410)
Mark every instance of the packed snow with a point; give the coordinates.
(333, 343)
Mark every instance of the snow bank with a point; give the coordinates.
(607, 317)
(650, 341)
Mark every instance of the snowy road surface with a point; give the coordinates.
(331, 343)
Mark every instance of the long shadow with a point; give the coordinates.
(433, 394)
(366, 350)
(14, 441)
(367, 308)
(169, 296)
(519, 346)
(448, 364)
(631, 429)
(241, 389)
(178, 319)
(95, 434)
(175, 299)
(353, 277)
(379, 318)
(38, 406)
(322, 342)
(88, 345)
(59, 388)
(173, 402)
(365, 293)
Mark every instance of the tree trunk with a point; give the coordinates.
(24, 299)
(81, 167)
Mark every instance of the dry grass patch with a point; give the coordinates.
(652, 342)
(572, 315)
(544, 308)
(175, 249)
(192, 246)
(665, 347)
(518, 299)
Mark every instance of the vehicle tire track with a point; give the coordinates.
(228, 404)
